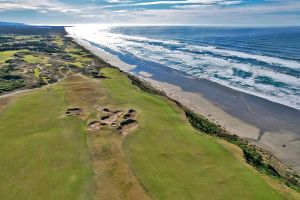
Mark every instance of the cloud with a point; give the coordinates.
(267, 14)
(230, 2)
(118, 1)
(195, 6)
(204, 2)
(120, 11)
(43, 6)
(218, 12)
(191, 6)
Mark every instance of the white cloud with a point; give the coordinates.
(207, 2)
(191, 6)
(230, 2)
(43, 11)
(117, 1)
(42, 6)
(213, 15)
(218, 12)
(120, 11)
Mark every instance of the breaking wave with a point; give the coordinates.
(273, 78)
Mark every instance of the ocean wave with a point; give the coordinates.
(268, 77)
(267, 59)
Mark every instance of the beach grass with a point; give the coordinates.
(174, 161)
(42, 152)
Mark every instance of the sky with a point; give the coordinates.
(192, 12)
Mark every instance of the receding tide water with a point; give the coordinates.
(260, 61)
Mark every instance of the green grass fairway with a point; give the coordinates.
(35, 59)
(42, 153)
(172, 160)
(6, 55)
(46, 155)
(37, 72)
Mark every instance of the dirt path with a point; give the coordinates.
(21, 91)
(9, 94)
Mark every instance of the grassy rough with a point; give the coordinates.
(9, 85)
(6, 55)
(172, 160)
(42, 154)
(8, 80)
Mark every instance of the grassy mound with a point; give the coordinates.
(172, 160)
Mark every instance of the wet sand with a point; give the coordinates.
(273, 126)
(103, 55)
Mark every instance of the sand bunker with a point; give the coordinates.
(118, 120)
(112, 118)
(130, 114)
(74, 111)
(128, 125)
(105, 110)
(95, 125)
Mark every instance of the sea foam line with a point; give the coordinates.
(191, 63)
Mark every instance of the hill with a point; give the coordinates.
(11, 24)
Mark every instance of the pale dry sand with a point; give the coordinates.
(145, 74)
(290, 154)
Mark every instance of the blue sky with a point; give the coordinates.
(201, 12)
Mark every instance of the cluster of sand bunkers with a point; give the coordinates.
(122, 121)
(118, 120)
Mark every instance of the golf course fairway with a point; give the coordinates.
(172, 160)
(45, 154)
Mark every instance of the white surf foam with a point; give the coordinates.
(266, 59)
(187, 58)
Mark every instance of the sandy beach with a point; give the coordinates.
(282, 143)
(270, 125)
(104, 56)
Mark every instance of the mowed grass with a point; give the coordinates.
(6, 55)
(43, 154)
(59, 41)
(172, 160)
(35, 59)
(80, 60)
(113, 177)
(37, 72)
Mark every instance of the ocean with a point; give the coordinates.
(264, 62)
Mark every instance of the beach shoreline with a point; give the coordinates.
(207, 103)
